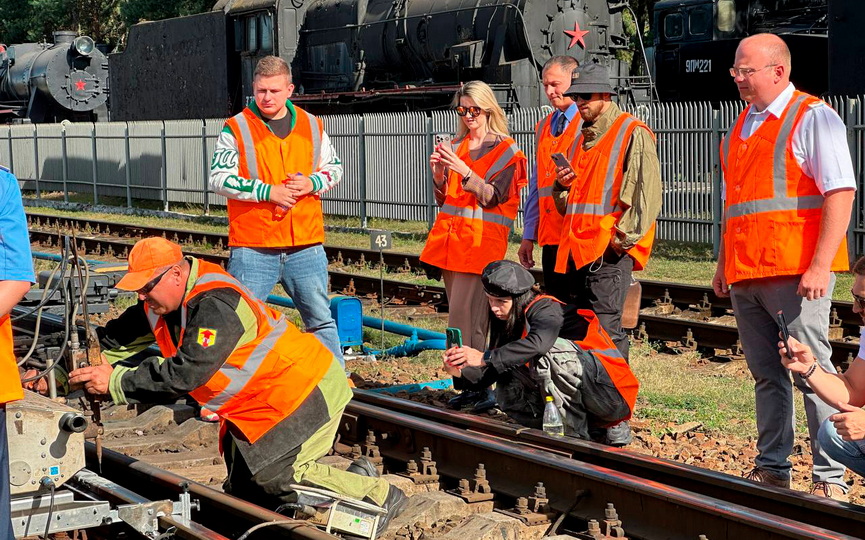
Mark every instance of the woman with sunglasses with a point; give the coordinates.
(477, 182)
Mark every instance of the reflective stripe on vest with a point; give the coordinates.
(780, 201)
(607, 207)
(476, 213)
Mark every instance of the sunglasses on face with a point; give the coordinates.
(152, 283)
(859, 300)
(474, 112)
(583, 96)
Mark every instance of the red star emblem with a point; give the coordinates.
(80, 85)
(577, 35)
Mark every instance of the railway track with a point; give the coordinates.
(687, 316)
(461, 472)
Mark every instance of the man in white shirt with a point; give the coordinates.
(789, 189)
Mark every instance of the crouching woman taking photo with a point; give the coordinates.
(538, 348)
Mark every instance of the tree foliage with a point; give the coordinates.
(106, 21)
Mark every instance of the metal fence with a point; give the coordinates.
(386, 162)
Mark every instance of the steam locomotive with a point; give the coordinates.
(352, 55)
(41, 82)
(695, 43)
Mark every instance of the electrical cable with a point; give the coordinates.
(40, 306)
(54, 287)
(49, 483)
(251, 530)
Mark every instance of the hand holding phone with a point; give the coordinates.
(785, 333)
(442, 139)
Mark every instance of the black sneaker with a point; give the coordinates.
(487, 402)
(394, 504)
(363, 467)
(465, 398)
(620, 434)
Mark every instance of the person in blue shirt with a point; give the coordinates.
(554, 134)
(16, 276)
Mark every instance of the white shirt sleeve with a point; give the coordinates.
(329, 170)
(224, 173)
(821, 149)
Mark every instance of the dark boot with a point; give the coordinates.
(620, 434)
(487, 402)
(363, 467)
(395, 503)
(465, 398)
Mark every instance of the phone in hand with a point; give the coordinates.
(560, 160)
(785, 332)
(442, 139)
(454, 337)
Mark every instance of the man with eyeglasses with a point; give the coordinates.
(610, 198)
(842, 435)
(279, 393)
(542, 224)
(788, 190)
(273, 161)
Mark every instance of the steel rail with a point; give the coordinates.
(648, 509)
(810, 509)
(219, 511)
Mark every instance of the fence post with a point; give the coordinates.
(716, 181)
(36, 162)
(63, 163)
(205, 167)
(128, 166)
(94, 164)
(11, 158)
(851, 120)
(164, 171)
(362, 157)
(431, 206)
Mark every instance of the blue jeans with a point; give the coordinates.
(302, 273)
(850, 453)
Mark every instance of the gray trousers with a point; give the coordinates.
(756, 303)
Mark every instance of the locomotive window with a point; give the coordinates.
(265, 24)
(726, 16)
(674, 26)
(252, 33)
(699, 21)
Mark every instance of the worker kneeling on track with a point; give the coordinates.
(537, 349)
(278, 392)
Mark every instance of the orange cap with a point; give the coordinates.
(147, 257)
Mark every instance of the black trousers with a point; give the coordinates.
(555, 284)
(602, 287)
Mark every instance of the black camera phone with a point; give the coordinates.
(785, 333)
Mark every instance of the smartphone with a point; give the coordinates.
(454, 337)
(560, 160)
(785, 332)
(442, 138)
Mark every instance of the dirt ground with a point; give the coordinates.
(687, 443)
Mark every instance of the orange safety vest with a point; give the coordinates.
(593, 201)
(263, 381)
(600, 344)
(10, 381)
(466, 237)
(772, 209)
(549, 219)
(264, 156)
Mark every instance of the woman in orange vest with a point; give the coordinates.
(477, 182)
(539, 349)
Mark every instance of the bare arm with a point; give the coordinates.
(833, 388)
(837, 205)
(11, 292)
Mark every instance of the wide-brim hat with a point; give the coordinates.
(506, 278)
(146, 259)
(590, 78)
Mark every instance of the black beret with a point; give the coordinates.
(506, 278)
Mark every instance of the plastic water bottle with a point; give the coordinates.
(552, 419)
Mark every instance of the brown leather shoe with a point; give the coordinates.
(827, 489)
(765, 477)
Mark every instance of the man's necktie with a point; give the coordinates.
(560, 125)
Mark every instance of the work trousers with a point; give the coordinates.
(5, 508)
(602, 286)
(302, 272)
(755, 304)
(468, 307)
(555, 284)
